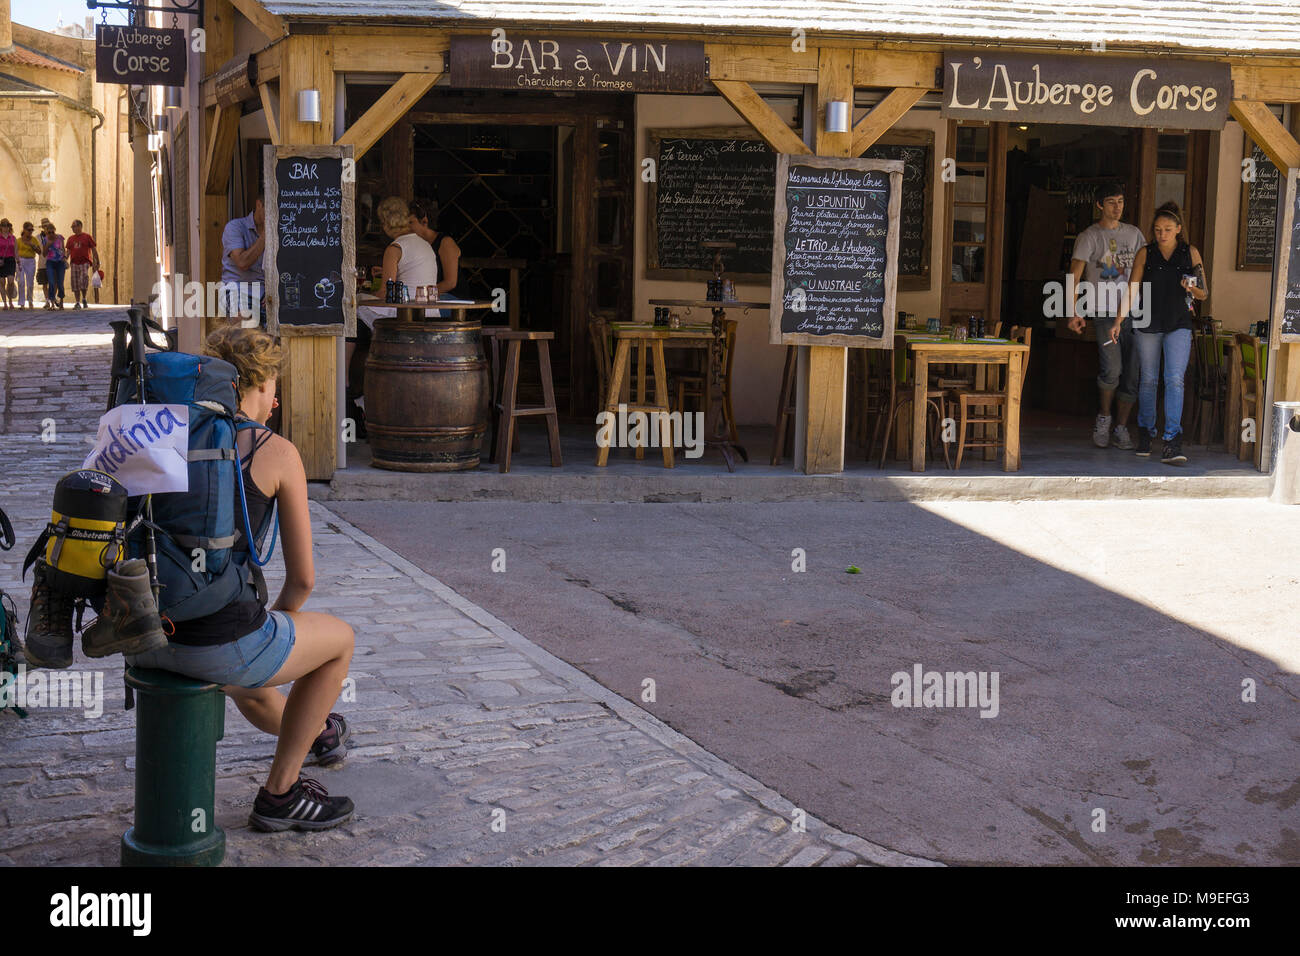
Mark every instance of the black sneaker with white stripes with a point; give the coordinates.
(307, 806)
(331, 746)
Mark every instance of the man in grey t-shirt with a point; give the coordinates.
(1102, 259)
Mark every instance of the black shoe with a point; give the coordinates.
(1173, 453)
(329, 747)
(49, 623)
(1144, 443)
(307, 806)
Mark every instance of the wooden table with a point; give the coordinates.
(716, 423)
(1011, 354)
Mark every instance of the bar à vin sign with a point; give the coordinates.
(529, 62)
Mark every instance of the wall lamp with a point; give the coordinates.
(309, 106)
(837, 116)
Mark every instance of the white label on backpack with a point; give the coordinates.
(145, 447)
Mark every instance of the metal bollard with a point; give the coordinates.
(178, 724)
(1284, 464)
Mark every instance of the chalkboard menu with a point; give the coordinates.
(1291, 303)
(310, 259)
(915, 148)
(1257, 230)
(710, 184)
(835, 251)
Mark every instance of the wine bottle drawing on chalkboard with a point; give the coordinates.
(289, 292)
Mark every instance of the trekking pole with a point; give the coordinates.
(151, 542)
(121, 360)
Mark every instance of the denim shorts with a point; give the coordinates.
(250, 661)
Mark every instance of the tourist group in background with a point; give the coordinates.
(48, 259)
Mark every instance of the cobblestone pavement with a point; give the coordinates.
(455, 715)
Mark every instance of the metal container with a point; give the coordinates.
(1284, 462)
(426, 395)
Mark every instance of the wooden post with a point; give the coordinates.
(828, 365)
(309, 397)
(219, 24)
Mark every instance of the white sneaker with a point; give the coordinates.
(1101, 431)
(1123, 439)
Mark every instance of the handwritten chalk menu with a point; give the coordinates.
(1291, 303)
(710, 184)
(915, 148)
(835, 251)
(310, 259)
(1257, 230)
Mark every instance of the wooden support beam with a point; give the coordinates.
(219, 24)
(1266, 84)
(386, 111)
(309, 385)
(762, 117)
(883, 116)
(385, 54)
(1263, 127)
(761, 64)
(220, 148)
(272, 26)
(271, 107)
(828, 364)
(896, 68)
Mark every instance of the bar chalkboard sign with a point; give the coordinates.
(835, 251)
(710, 184)
(310, 243)
(915, 148)
(1257, 229)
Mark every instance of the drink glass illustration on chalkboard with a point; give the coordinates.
(290, 296)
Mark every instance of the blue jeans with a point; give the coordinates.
(54, 271)
(1176, 346)
(250, 661)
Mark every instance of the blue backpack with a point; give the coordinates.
(204, 517)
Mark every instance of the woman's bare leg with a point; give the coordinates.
(263, 707)
(317, 664)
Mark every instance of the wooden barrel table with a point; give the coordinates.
(426, 395)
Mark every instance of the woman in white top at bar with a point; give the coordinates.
(408, 258)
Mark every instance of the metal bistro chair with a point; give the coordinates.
(900, 394)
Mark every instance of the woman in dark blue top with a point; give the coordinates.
(1171, 276)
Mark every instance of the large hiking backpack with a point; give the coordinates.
(203, 565)
(10, 655)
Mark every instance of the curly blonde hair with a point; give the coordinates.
(394, 215)
(252, 352)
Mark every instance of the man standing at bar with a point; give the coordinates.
(1103, 257)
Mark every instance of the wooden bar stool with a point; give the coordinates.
(509, 410)
(657, 410)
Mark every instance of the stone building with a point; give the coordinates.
(66, 146)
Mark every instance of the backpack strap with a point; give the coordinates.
(6, 532)
(210, 454)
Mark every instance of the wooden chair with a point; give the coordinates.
(509, 409)
(900, 394)
(958, 376)
(995, 398)
(785, 403)
(693, 385)
(1251, 387)
(1209, 380)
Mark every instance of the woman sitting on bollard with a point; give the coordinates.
(250, 649)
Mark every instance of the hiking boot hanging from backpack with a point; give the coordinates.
(48, 642)
(129, 622)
